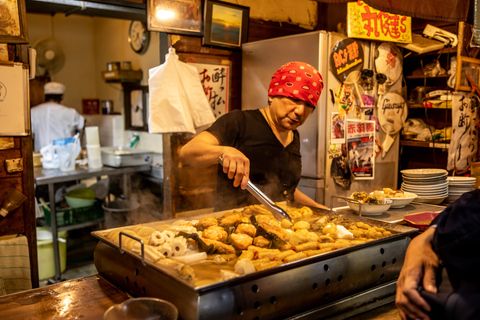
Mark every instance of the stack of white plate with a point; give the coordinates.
(430, 185)
(458, 186)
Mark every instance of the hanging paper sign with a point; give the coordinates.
(361, 148)
(389, 62)
(392, 112)
(346, 56)
(366, 22)
(215, 81)
(464, 141)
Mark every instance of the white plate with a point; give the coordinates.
(416, 190)
(461, 179)
(426, 186)
(370, 209)
(417, 173)
(430, 194)
(442, 177)
(423, 182)
(440, 195)
(436, 200)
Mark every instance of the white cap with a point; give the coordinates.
(54, 88)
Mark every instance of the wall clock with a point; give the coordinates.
(138, 36)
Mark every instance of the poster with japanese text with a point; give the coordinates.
(215, 81)
(361, 148)
(366, 22)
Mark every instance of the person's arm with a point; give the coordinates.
(204, 151)
(420, 265)
(302, 198)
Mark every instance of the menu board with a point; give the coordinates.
(215, 81)
(14, 117)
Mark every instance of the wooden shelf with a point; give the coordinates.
(426, 144)
(420, 106)
(441, 76)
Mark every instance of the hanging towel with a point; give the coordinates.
(177, 101)
(14, 265)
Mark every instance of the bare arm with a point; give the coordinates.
(302, 198)
(420, 265)
(205, 149)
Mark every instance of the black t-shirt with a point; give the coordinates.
(274, 169)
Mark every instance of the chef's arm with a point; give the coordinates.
(204, 151)
(302, 198)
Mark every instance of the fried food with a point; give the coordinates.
(216, 233)
(249, 243)
(248, 229)
(242, 241)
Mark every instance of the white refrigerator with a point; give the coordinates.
(260, 59)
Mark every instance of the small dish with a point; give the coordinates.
(369, 209)
(420, 220)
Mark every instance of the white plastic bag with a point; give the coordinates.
(177, 102)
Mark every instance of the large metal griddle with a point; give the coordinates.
(312, 288)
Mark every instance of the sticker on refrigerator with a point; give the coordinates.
(361, 148)
(346, 56)
(338, 128)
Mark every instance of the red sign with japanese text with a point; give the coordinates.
(366, 22)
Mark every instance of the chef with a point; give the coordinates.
(52, 120)
(262, 145)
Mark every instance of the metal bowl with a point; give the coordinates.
(142, 309)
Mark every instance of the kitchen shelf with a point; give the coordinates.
(421, 106)
(425, 144)
(441, 76)
(122, 76)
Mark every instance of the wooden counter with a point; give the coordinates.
(89, 298)
(84, 298)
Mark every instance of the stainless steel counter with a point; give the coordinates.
(52, 176)
(396, 215)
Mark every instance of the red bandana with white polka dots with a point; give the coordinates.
(297, 80)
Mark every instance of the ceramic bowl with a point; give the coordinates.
(142, 309)
(79, 203)
(369, 209)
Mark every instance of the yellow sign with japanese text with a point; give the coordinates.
(366, 22)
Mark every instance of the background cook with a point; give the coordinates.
(262, 145)
(52, 120)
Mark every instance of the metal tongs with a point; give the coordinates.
(278, 212)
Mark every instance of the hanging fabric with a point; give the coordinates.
(177, 101)
(464, 143)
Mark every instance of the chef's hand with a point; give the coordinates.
(421, 262)
(237, 166)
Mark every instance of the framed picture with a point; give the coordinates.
(13, 24)
(175, 16)
(226, 24)
(135, 104)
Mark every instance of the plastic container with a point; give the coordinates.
(46, 264)
(117, 212)
(69, 216)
